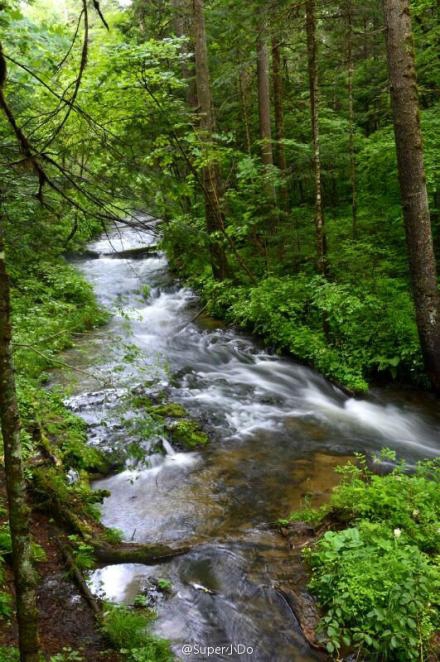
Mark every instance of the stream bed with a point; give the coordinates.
(277, 431)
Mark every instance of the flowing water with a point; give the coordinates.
(277, 431)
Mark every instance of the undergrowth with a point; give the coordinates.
(376, 576)
(129, 631)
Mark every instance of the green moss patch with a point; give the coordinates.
(187, 434)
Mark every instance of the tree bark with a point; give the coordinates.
(321, 243)
(25, 578)
(211, 181)
(351, 123)
(278, 99)
(264, 92)
(242, 91)
(149, 554)
(182, 28)
(411, 172)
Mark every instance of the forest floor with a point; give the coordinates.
(66, 621)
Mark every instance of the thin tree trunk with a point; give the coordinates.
(411, 171)
(321, 244)
(182, 28)
(242, 89)
(210, 174)
(351, 134)
(264, 93)
(24, 573)
(278, 98)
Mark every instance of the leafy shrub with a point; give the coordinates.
(164, 584)
(364, 335)
(378, 580)
(378, 592)
(129, 631)
(82, 552)
(156, 650)
(9, 654)
(126, 628)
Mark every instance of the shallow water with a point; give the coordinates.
(277, 429)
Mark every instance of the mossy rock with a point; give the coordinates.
(169, 410)
(141, 402)
(187, 434)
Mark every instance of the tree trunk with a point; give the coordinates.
(278, 98)
(242, 91)
(148, 554)
(210, 174)
(182, 28)
(264, 93)
(351, 129)
(24, 574)
(321, 244)
(411, 171)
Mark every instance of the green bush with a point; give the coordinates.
(129, 632)
(378, 579)
(370, 325)
(379, 592)
(9, 654)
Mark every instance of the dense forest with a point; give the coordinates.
(219, 247)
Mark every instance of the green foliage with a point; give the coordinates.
(67, 655)
(82, 552)
(361, 339)
(164, 585)
(378, 580)
(169, 409)
(155, 650)
(141, 600)
(5, 539)
(126, 628)
(5, 605)
(167, 418)
(52, 303)
(113, 536)
(380, 593)
(129, 631)
(406, 501)
(306, 514)
(9, 654)
(187, 433)
(5, 549)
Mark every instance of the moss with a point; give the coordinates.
(187, 434)
(113, 536)
(173, 418)
(75, 504)
(141, 402)
(169, 410)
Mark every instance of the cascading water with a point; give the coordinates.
(276, 426)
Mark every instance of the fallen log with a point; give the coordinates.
(132, 253)
(147, 554)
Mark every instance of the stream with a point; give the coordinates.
(277, 430)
